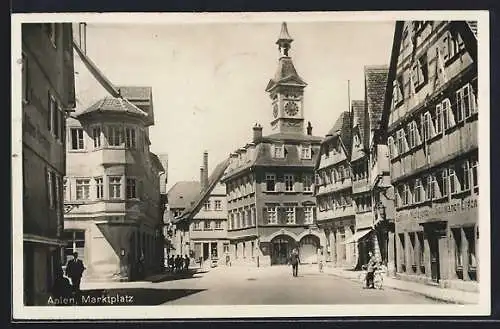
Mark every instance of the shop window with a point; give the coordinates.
(457, 237)
(402, 254)
(421, 249)
(471, 252)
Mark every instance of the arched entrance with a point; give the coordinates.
(281, 247)
(308, 248)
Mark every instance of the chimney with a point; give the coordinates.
(205, 169)
(202, 177)
(309, 128)
(257, 132)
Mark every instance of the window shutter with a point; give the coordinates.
(472, 99)
(451, 117)
(418, 140)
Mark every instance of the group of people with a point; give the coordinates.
(372, 265)
(178, 263)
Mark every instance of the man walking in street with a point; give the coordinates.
(370, 270)
(294, 260)
(74, 271)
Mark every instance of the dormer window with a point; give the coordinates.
(306, 152)
(278, 151)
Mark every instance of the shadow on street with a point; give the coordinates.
(131, 296)
(168, 276)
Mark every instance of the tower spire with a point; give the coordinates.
(284, 41)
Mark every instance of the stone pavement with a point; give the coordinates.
(437, 293)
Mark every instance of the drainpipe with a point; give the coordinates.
(256, 218)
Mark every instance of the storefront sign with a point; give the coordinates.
(439, 210)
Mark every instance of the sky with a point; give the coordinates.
(209, 79)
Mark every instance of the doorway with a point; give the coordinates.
(434, 256)
(280, 250)
(206, 253)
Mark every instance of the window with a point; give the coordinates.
(26, 83)
(218, 205)
(465, 176)
(270, 182)
(77, 141)
(474, 166)
(427, 126)
(52, 189)
(308, 215)
(397, 91)
(418, 193)
(196, 226)
(392, 148)
(130, 140)
(290, 215)
(115, 187)
(306, 152)
(406, 196)
(206, 205)
(289, 183)
(443, 183)
(454, 183)
(307, 182)
(428, 186)
(448, 117)
(65, 189)
(272, 215)
(131, 188)
(96, 136)
(52, 119)
(208, 225)
(419, 72)
(99, 187)
(466, 102)
(413, 136)
(451, 45)
(278, 151)
(114, 136)
(401, 144)
(75, 242)
(83, 189)
(439, 119)
(218, 225)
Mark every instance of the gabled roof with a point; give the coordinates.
(214, 178)
(341, 132)
(375, 84)
(359, 117)
(183, 193)
(468, 32)
(283, 137)
(113, 105)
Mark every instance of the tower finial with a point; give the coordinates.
(284, 41)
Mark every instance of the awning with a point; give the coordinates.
(357, 236)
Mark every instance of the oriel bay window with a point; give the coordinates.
(130, 138)
(96, 136)
(114, 135)
(115, 187)
(131, 188)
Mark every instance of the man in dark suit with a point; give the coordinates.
(74, 271)
(294, 260)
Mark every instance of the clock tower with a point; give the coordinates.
(286, 90)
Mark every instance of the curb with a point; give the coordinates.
(432, 297)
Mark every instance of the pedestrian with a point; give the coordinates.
(178, 263)
(74, 270)
(186, 262)
(61, 288)
(294, 260)
(172, 263)
(320, 260)
(370, 270)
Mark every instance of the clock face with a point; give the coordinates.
(291, 108)
(275, 110)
